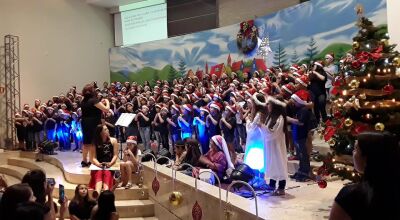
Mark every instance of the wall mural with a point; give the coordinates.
(297, 34)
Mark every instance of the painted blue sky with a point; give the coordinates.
(328, 21)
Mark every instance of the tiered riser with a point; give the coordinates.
(131, 203)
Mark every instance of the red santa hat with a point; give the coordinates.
(298, 73)
(303, 80)
(164, 108)
(176, 107)
(210, 96)
(187, 107)
(189, 97)
(245, 86)
(239, 94)
(301, 97)
(166, 96)
(318, 63)
(266, 91)
(270, 70)
(158, 106)
(145, 106)
(276, 101)
(235, 81)
(221, 144)
(197, 95)
(289, 88)
(174, 95)
(216, 105)
(330, 56)
(205, 109)
(294, 67)
(231, 108)
(131, 140)
(304, 66)
(250, 92)
(152, 98)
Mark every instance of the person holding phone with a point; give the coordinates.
(105, 155)
(42, 188)
(81, 205)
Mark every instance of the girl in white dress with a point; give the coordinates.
(255, 122)
(275, 145)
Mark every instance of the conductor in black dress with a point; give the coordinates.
(91, 117)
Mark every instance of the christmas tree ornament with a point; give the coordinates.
(197, 212)
(396, 61)
(155, 185)
(379, 126)
(362, 96)
(348, 122)
(385, 42)
(322, 184)
(354, 84)
(356, 45)
(175, 198)
(332, 142)
(388, 89)
(337, 114)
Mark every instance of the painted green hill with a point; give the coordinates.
(339, 49)
(146, 74)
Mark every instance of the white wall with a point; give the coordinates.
(393, 7)
(236, 11)
(62, 43)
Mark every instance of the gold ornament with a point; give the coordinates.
(396, 61)
(332, 142)
(348, 122)
(175, 198)
(354, 84)
(379, 126)
(385, 42)
(356, 45)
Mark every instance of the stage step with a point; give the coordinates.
(11, 180)
(54, 172)
(129, 208)
(14, 171)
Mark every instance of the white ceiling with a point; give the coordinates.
(111, 3)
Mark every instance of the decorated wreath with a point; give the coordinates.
(247, 37)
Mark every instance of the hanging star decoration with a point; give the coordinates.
(264, 49)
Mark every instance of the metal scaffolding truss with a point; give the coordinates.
(12, 87)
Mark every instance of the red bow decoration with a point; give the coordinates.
(364, 56)
(335, 91)
(329, 132)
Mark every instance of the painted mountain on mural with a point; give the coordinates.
(298, 33)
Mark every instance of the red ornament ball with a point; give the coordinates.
(322, 184)
(337, 114)
(388, 89)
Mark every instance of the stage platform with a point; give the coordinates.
(302, 201)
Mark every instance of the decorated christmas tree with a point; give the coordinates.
(365, 96)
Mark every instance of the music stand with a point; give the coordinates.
(124, 120)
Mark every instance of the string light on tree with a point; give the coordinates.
(367, 106)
